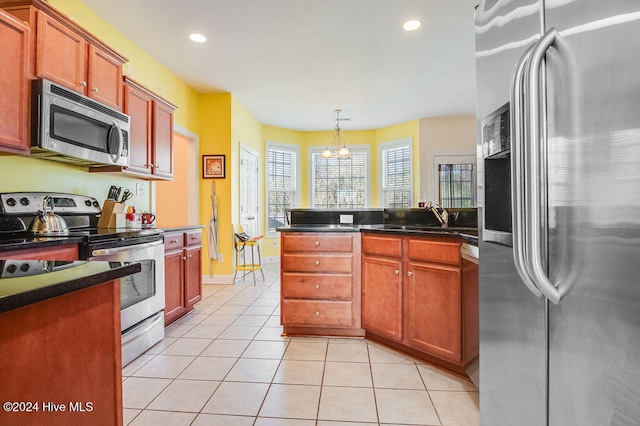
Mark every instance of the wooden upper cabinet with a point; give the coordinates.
(138, 104)
(151, 133)
(14, 85)
(104, 77)
(162, 139)
(69, 55)
(60, 53)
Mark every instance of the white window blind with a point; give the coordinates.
(282, 186)
(340, 183)
(397, 180)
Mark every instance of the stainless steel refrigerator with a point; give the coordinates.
(559, 194)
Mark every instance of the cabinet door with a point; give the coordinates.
(433, 310)
(14, 85)
(104, 78)
(193, 276)
(174, 286)
(162, 140)
(139, 106)
(60, 54)
(382, 297)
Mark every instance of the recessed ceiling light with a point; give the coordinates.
(198, 38)
(411, 25)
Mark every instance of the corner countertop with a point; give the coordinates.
(469, 234)
(64, 277)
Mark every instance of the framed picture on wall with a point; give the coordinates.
(212, 166)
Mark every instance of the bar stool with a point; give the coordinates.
(241, 248)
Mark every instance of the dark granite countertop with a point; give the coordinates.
(64, 277)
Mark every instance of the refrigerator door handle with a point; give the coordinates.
(519, 234)
(535, 215)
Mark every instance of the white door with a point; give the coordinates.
(249, 194)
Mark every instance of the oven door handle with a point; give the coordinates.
(107, 252)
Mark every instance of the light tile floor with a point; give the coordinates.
(227, 364)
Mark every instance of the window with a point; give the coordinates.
(396, 174)
(282, 184)
(340, 183)
(455, 180)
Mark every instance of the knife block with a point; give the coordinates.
(108, 215)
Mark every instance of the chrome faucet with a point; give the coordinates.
(443, 217)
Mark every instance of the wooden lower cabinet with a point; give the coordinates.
(320, 283)
(434, 310)
(183, 273)
(382, 296)
(414, 298)
(64, 354)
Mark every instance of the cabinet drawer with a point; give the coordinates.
(316, 286)
(173, 241)
(384, 246)
(317, 263)
(440, 251)
(193, 238)
(317, 313)
(317, 243)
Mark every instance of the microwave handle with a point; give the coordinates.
(115, 157)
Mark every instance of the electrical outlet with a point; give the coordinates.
(220, 257)
(346, 219)
(139, 189)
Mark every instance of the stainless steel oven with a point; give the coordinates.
(141, 295)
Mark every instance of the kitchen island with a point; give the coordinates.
(399, 281)
(60, 343)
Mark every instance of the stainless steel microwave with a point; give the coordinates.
(67, 126)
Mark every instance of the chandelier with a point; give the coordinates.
(340, 149)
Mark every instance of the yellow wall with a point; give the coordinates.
(373, 138)
(172, 196)
(215, 138)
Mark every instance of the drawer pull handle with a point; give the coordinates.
(317, 286)
(94, 90)
(317, 313)
(317, 263)
(409, 273)
(184, 258)
(317, 243)
(396, 272)
(174, 241)
(83, 83)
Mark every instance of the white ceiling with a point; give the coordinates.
(292, 62)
